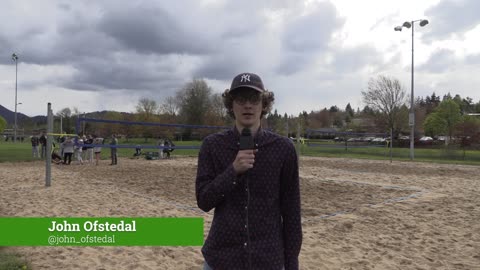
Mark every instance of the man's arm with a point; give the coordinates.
(291, 210)
(210, 188)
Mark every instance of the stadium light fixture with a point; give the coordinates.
(411, 118)
(15, 59)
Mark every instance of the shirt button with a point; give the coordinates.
(245, 244)
(246, 207)
(245, 226)
(234, 182)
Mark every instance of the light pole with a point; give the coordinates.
(411, 117)
(15, 59)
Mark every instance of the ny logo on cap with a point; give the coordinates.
(245, 78)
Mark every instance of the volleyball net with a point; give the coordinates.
(147, 135)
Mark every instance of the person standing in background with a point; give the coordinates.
(113, 149)
(68, 149)
(97, 149)
(78, 151)
(43, 145)
(160, 143)
(35, 143)
(89, 148)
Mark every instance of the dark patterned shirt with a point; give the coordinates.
(256, 224)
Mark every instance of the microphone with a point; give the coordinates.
(246, 140)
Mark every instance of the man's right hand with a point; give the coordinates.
(244, 160)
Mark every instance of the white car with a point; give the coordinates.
(426, 139)
(378, 140)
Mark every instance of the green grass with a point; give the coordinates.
(440, 155)
(16, 152)
(10, 152)
(122, 152)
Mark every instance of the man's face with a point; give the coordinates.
(247, 107)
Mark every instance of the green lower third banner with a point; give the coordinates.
(21, 231)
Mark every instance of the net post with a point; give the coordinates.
(48, 157)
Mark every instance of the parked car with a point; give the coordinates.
(378, 140)
(368, 139)
(441, 138)
(426, 139)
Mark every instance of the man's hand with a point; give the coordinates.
(244, 160)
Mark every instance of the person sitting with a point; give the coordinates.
(168, 148)
(56, 158)
(138, 151)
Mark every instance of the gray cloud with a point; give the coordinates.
(440, 61)
(452, 18)
(312, 32)
(148, 29)
(293, 62)
(308, 36)
(355, 59)
(473, 59)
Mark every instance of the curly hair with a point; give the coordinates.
(267, 98)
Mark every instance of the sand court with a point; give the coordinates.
(357, 214)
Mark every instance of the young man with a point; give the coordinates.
(113, 149)
(43, 145)
(255, 192)
(35, 142)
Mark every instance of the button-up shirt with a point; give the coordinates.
(256, 223)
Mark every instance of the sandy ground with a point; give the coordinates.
(357, 214)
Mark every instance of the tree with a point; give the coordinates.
(147, 108)
(147, 112)
(349, 111)
(274, 121)
(194, 103)
(386, 96)
(217, 115)
(444, 119)
(334, 109)
(3, 124)
(66, 119)
(431, 102)
(468, 129)
(169, 106)
(434, 125)
(321, 119)
(477, 107)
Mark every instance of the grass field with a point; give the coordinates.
(438, 155)
(10, 152)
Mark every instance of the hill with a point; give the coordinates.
(10, 116)
(40, 120)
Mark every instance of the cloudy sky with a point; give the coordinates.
(105, 55)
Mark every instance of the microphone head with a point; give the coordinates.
(246, 140)
(246, 132)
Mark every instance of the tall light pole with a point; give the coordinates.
(15, 59)
(411, 117)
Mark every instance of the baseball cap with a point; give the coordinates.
(248, 80)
